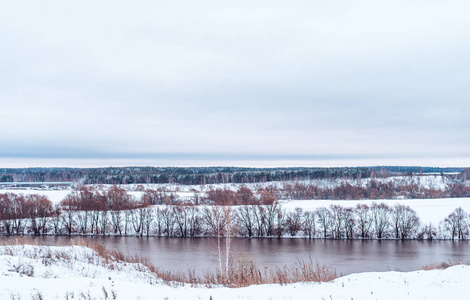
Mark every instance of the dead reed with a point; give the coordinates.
(444, 265)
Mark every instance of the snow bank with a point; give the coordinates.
(27, 273)
(67, 262)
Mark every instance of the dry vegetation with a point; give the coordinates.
(243, 272)
(444, 265)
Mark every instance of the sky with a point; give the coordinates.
(239, 83)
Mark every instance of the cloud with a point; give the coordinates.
(304, 80)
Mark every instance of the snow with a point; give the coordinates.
(429, 210)
(426, 181)
(186, 192)
(86, 275)
(54, 195)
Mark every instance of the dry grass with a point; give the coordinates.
(304, 272)
(243, 272)
(444, 265)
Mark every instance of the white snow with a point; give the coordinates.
(86, 276)
(54, 195)
(429, 210)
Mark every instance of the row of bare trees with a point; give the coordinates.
(304, 191)
(299, 191)
(89, 212)
(117, 198)
(374, 189)
(19, 212)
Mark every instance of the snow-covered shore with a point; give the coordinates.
(42, 272)
(429, 210)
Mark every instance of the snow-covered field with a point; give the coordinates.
(74, 272)
(186, 192)
(429, 210)
(435, 181)
(54, 195)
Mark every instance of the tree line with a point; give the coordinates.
(204, 175)
(114, 212)
(374, 189)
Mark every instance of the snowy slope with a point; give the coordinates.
(86, 276)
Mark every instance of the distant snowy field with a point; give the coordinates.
(54, 195)
(429, 210)
(86, 277)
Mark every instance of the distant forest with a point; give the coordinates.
(205, 175)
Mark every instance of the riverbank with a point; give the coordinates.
(200, 254)
(77, 271)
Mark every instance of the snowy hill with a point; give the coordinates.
(41, 272)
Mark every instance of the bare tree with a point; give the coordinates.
(294, 221)
(246, 195)
(38, 209)
(194, 220)
(56, 220)
(271, 214)
(457, 223)
(324, 219)
(68, 209)
(349, 222)
(279, 224)
(309, 224)
(214, 220)
(405, 221)
(153, 197)
(259, 214)
(380, 219)
(428, 232)
(337, 218)
(364, 219)
(120, 203)
(6, 212)
(246, 216)
(181, 219)
(18, 210)
(147, 219)
(103, 216)
(168, 221)
(228, 237)
(158, 221)
(140, 217)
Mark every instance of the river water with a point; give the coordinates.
(347, 256)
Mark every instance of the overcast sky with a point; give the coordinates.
(262, 83)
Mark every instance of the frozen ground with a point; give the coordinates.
(41, 272)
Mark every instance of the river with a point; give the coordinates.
(347, 256)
